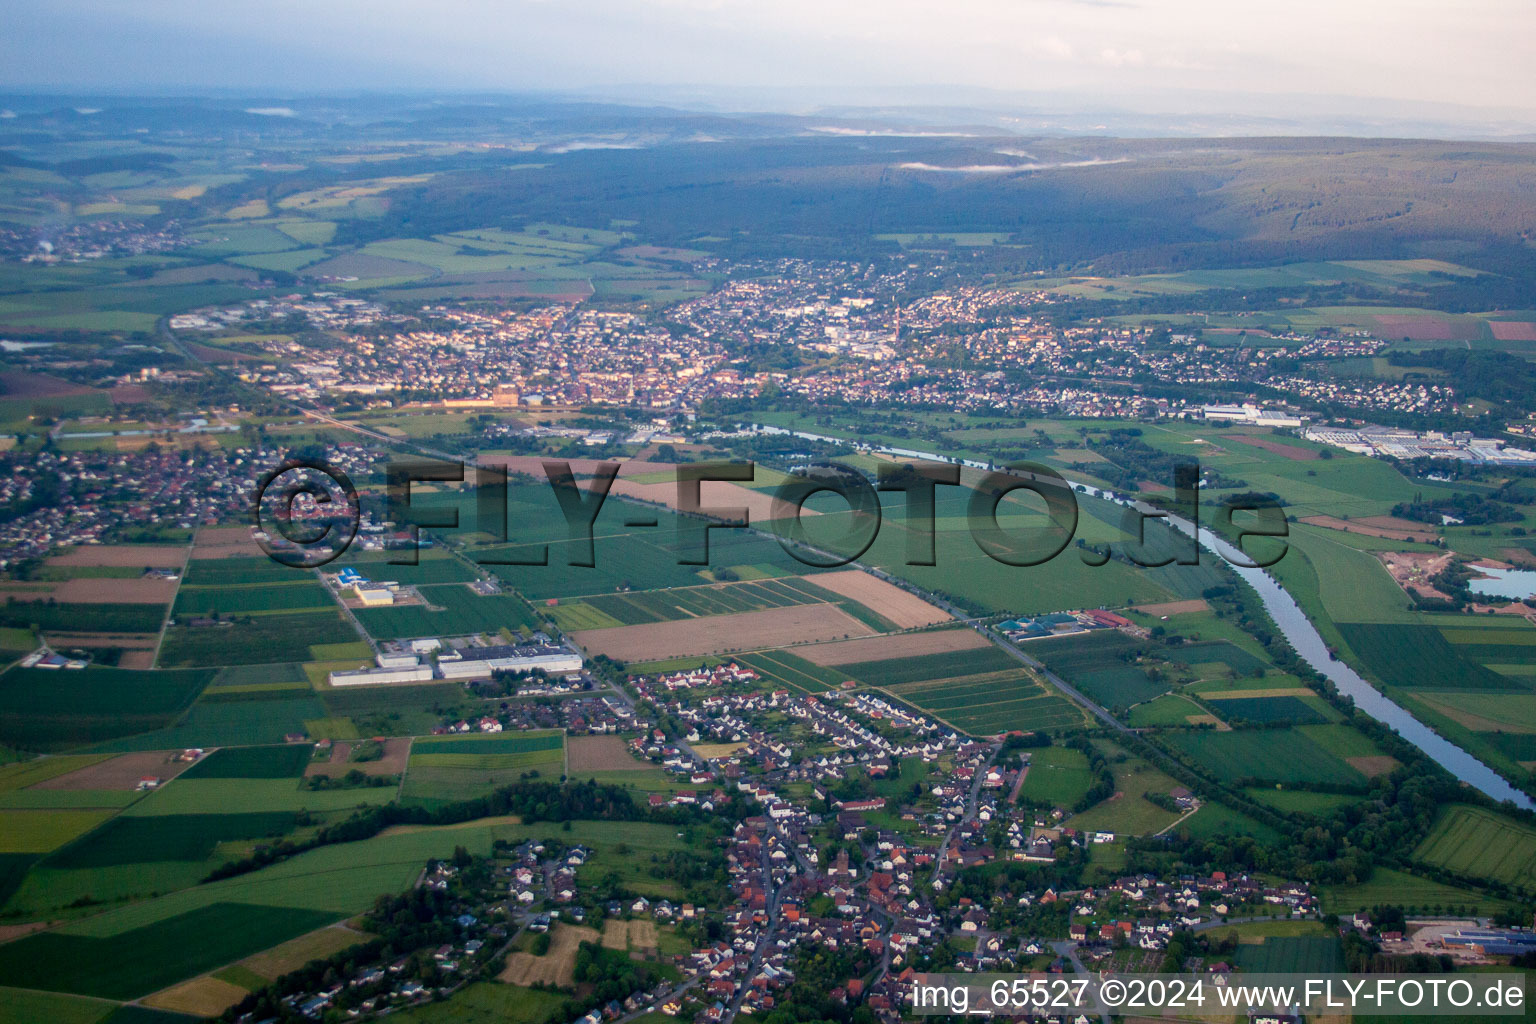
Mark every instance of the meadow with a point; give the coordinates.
(1292, 954)
(130, 839)
(1057, 776)
(219, 723)
(1127, 812)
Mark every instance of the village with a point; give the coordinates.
(864, 827)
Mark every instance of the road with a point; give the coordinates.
(969, 813)
(1069, 950)
(763, 942)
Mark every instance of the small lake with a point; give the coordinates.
(1515, 584)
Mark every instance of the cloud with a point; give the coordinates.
(1122, 58)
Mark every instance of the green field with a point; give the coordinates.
(1263, 710)
(1171, 709)
(1418, 656)
(448, 768)
(38, 831)
(1292, 954)
(490, 743)
(45, 709)
(271, 762)
(1479, 843)
(694, 602)
(946, 665)
(138, 840)
(792, 670)
(992, 702)
(211, 796)
(454, 610)
(244, 599)
(220, 723)
(1057, 776)
(108, 618)
(1388, 886)
(488, 1003)
(29, 1006)
(1119, 687)
(241, 571)
(143, 960)
(258, 640)
(1128, 812)
(1221, 652)
(1275, 755)
(1214, 819)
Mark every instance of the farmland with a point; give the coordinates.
(305, 303)
(630, 609)
(793, 670)
(141, 960)
(451, 610)
(1417, 893)
(983, 692)
(254, 639)
(743, 631)
(1476, 843)
(447, 768)
(273, 762)
(908, 645)
(250, 598)
(1101, 665)
(1313, 954)
(1285, 755)
(103, 703)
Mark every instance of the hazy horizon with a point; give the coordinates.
(1307, 59)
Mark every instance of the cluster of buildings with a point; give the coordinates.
(838, 327)
(78, 497)
(322, 311)
(1388, 442)
(1062, 624)
(577, 715)
(466, 662)
(88, 240)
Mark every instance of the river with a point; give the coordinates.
(1299, 632)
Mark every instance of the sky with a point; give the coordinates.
(1343, 53)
